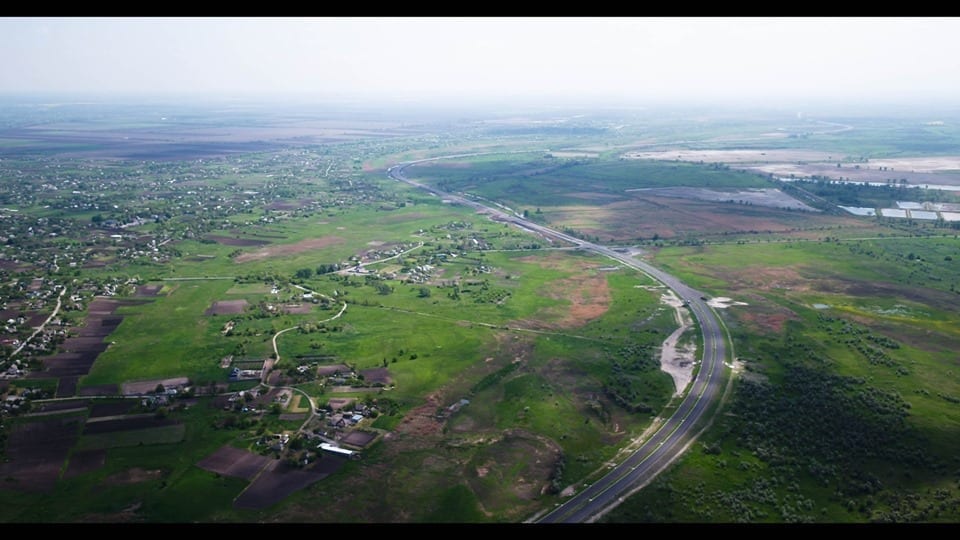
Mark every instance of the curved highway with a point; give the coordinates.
(677, 431)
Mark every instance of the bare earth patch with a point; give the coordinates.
(587, 291)
(299, 309)
(734, 156)
(771, 197)
(289, 249)
(230, 461)
(677, 361)
(144, 387)
(238, 242)
(226, 307)
(768, 278)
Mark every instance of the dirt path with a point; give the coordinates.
(42, 326)
(678, 361)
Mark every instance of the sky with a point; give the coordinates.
(459, 58)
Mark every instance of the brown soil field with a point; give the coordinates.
(239, 242)
(36, 451)
(68, 364)
(116, 408)
(98, 325)
(277, 378)
(326, 371)
(102, 306)
(278, 481)
(51, 406)
(359, 439)
(67, 386)
(336, 404)
(230, 461)
(289, 249)
(100, 390)
(84, 344)
(145, 387)
(36, 319)
(376, 375)
(148, 290)
(299, 309)
(226, 307)
(13, 265)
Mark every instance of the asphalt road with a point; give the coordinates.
(677, 431)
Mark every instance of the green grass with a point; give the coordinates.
(542, 182)
(158, 435)
(182, 341)
(897, 351)
(196, 497)
(458, 504)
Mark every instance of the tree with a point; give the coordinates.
(159, 389)
(424, 292)
(304, 273)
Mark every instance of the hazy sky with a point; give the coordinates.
(619, 58)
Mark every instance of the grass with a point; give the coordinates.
(137, 437)
(182, 341)
(871, 340)
(549, 182)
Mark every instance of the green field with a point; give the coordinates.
(136, 437)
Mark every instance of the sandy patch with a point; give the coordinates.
(675, 360)
(575, 154)
(918, 164)
(735, 156)
(723, 302)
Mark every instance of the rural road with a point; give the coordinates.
(270, 363)
(40, 328)
(676, 432)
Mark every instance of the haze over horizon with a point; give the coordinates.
(768, 59)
